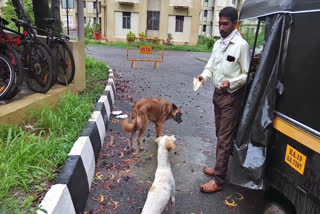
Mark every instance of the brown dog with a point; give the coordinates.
(156, 110)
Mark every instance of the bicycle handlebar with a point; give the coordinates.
(3, 21)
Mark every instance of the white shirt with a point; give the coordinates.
(229, 60)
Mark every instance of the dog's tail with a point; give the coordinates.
(129, 126)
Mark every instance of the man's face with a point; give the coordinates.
(226, 26)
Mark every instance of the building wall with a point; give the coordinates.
(191, 21)
(121, 33)
(111, 18)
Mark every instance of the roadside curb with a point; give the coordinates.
(72, 186)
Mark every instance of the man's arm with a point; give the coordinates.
(244, 61)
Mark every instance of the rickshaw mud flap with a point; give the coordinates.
(255, 127)
(303, 202)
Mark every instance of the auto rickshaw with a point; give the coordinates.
(277, 147)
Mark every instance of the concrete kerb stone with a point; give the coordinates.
(70, 192)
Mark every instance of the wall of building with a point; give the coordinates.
(121, 33)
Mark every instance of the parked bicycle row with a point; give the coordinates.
(23, 57)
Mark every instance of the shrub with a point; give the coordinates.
(96, 28)
(210, 42)
(156, 41)
(88, 31)
(131, 34)
(169, 39)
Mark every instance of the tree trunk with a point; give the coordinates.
(18, 7)
(97, 11)
(55, 13)
(41, 11)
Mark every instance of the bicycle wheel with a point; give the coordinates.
(50, 52)
(6, 76)
(65, 66)
(39, 65)
(15, 58)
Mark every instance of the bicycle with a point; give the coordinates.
(62, 56)
(6, 76)
(35, 58)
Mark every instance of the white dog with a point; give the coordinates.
(163, 186)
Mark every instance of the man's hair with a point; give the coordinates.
(230, 12)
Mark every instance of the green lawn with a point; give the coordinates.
(200, 47)
(32, 154)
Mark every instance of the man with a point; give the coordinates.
(228, 68)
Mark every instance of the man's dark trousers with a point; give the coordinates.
(227, 108)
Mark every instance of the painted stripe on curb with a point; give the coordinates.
(70, 192)
(57, 201)
(91, 130)
(101, 108)
(97, 117)
(74, 176)
(104, 99)
(83, 148)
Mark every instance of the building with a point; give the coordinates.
(91, 9)
(209, 16)
(206, 18)
(155, 18)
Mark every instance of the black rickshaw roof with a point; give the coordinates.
(260, 8)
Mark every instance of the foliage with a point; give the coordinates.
(32, 154)
(88, 31)
(8, 12)
(169, 39)
(210, 42)
(131, 34)
(142, 34)
(201, 46)
(96, 27)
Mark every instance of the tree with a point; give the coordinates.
(13, 7)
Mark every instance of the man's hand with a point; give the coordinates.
(225, 85)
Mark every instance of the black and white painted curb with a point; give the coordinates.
(70, 191)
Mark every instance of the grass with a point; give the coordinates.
(200, 47)
(32, 154)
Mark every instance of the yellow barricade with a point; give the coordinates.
(145, 49)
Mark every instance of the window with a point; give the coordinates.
(94, 5)
(99, 20)
(153, 18)
(85, 19)
(179, 23)
(126, 20)
(233, 1)
(84, 4)
(205, 13)
(206, 1)
(204, 28)
(94, 20)
(99, 7)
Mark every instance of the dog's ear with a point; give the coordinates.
(170, 144)
(157, 140)
(174, 107)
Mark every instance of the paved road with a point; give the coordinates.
(125, 177)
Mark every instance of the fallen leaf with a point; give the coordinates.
(240, 196)
(101, 198)
(115, 204)
(232, 203)
(99, 175)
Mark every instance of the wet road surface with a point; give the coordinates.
(123, 177)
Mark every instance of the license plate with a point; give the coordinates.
(295, 159)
